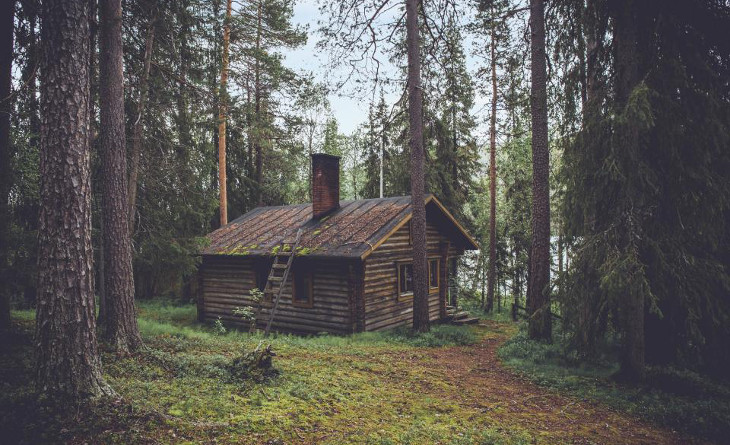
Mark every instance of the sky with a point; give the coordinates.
(351, 112)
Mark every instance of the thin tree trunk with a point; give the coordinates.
(7, 14)
(119, 326)
(516, 285)
(483, 272)
(258, 119)
(628, 42)
(539, 275)
(96, 175)
(382, 162)
(492, 178)
(223, 109)
(418, 221)
(591, 40)
(139, 125)
(67, 354)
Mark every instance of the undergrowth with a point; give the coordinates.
(193, 384)
(681, 399)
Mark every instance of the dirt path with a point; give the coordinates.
(482, 382)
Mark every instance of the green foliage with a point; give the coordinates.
(218, 327)
(246, 313)
(644, 203)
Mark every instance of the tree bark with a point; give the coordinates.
(492, 273)
(119, 326)
(67, 355)
(540, 321)
(418, 222)
(222, 110)
(7, 13)
(258, 119)
(628, 41)
(138, 126)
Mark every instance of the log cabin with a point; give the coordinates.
(351, 268)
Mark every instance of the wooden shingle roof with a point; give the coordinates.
(352, 231)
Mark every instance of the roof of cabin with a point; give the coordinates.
(354, 230)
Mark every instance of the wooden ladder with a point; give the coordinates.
(283, 259)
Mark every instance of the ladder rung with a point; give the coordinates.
(279, 266)
(276, 279)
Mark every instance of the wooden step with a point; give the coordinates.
(461, 315)
(468, 320)
(279, 266)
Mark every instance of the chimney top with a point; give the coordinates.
(325, 184)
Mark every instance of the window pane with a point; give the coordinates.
(402, 277)
(433, 273)
(406, 278)
(302, 286)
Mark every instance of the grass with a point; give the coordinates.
(680, 399)
(329, 389)
(369, 388)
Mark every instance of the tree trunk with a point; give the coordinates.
(138, 125)
(628, 41)
(258, 130)
(382, 162)
(539, 276)
(119, 326)
(516, 285)
(7, 13)
(492, 178)
(222, 110)
(68, 360)
(591, 39)
(418, 222)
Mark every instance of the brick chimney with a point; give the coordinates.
(325, 184)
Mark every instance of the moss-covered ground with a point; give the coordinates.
(445, 387)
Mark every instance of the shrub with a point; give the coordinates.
(218, 328)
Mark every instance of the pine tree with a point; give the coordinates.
(539, 274)
(7, 12)
(649, 222)
(222, 182)
(137, 131)
(119, 321)
(418, 207)
(68, 360)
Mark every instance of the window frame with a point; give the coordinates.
(408, 295)
(299, 271)
(438, 273)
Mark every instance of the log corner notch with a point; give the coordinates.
(356, 292)
(443, 277)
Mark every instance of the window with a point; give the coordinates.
(405, 279)
(433, 273)
(302, 293)
(262, 267)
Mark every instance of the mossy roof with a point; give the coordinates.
(353, 230)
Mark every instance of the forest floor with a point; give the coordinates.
(448, 387)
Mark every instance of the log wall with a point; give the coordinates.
(383, 308)
(226, 282)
